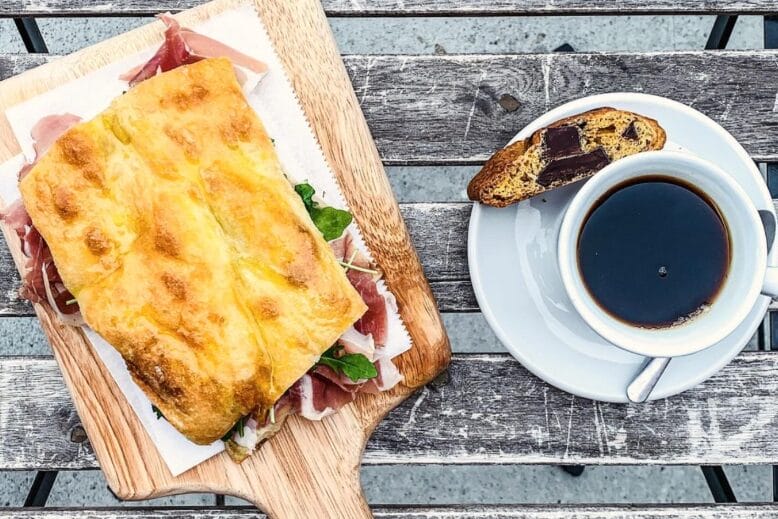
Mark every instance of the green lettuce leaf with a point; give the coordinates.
(237, 428)
(330, 221)
(354, 365)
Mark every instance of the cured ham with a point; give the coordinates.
(347, 251)
(358, 343)
(16, 217)
(316, 398)
(184, 46)
(374, 322)
(340, 380)
(328, 391)
(388, 376)
(44, 133)
(41, 280)
(49, 129)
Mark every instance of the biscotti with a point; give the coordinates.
(566, 151)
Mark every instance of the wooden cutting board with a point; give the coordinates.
(310, 469)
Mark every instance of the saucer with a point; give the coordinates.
(512, 254)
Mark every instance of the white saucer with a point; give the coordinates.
(513, 267)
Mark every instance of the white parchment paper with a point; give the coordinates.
(273, 98)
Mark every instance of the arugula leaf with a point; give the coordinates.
(354, 365)
(239, 427)
(157, 412)
(306, 192)
(330, 221)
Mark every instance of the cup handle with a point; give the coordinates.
(770, 286)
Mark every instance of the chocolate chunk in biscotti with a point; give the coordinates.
(572, 167)
(630, 133)
(562, 141)
(566, 151)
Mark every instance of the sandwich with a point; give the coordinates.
(167, 225)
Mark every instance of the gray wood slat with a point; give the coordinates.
(740, 511)
(439, 233)
(446, 109)
(406, 7)
(487, 409)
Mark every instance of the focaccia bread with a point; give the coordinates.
(566, 151)
(170, 220)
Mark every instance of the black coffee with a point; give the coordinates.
(653, 251)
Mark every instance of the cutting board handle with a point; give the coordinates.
(338, 500)
(308, 470)
(314, 472)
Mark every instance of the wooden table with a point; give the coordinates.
(456, 110)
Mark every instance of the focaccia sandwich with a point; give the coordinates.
(168, 224)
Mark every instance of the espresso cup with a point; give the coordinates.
(748, 275)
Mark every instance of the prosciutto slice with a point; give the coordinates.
(358, 343)
(184, 46)
(375, 321)
(315, 398)
(340, 380)
(323, 391)
(388, 376)
(41, 280)
(44, 133)
(49, 129)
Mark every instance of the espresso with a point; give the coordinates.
(653, 252)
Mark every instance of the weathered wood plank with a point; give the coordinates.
(405, 7)
(738, 511)
(487, 410)
(10, 303)
(446, 109)
(439, 233)
(453, 296)
(429, 109)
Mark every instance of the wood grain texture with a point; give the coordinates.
(308, 469)
(738, 511)
(446, 110)
(487, 409)
(406, 7)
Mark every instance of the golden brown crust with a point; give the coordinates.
(170, 220)
(511, 174)
(497, 163)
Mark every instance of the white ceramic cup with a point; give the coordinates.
(748, 276)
